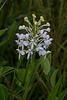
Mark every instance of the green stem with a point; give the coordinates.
(41, 81)
(29, 74)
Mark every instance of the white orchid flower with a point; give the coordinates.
(29, 52)
(27, 36)
(48, 29)
(42, 52)
(32, 43)
(44, 35)
(36, 38)
(25, 43)
(20, 52)
(39, 48)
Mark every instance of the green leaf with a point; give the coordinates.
(10, 35)
(2, 31)
(49, 58)
(4, 70)
(51, 72)
(53, 94)
(20, 89)
(0, 1)
(37, 63)
(62, 95)
(27, 83)
(2, 5)
(64, 73)
(21, 74)
(53, 78)
(46, 66)
(3, 92)
(2, 63)
(16, 77)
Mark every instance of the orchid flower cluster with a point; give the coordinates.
(36, 38)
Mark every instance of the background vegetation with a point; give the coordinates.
(16, 80)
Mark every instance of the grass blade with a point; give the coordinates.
(53, 94)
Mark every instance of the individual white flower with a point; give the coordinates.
(41, 31)
(51, 39)
(32, 43)
(20, 52)
(21, 27)
(48, 52)
(25, 43)
(17, 34)
(48, 42)
(27, 36)
(43, 53)
(47, 37)
(44, 35)
(45, 46)
(29, 52)
(21, 44)
(48, 29)
(17, 41)
(20, 36)
(40, 52)
(38, 48)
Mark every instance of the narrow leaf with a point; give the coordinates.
(37, 63)
(2, 5)
(53, 94)
(10, 35)
(62, 95)
(4, 70)
(21, 74)
(53, 78)
(2, 31)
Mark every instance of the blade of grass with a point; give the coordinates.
(2, 6)
(12, 31)
(62, 95)
(53, 94)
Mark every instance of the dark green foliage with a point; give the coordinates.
(3, 92)
(40, 79)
